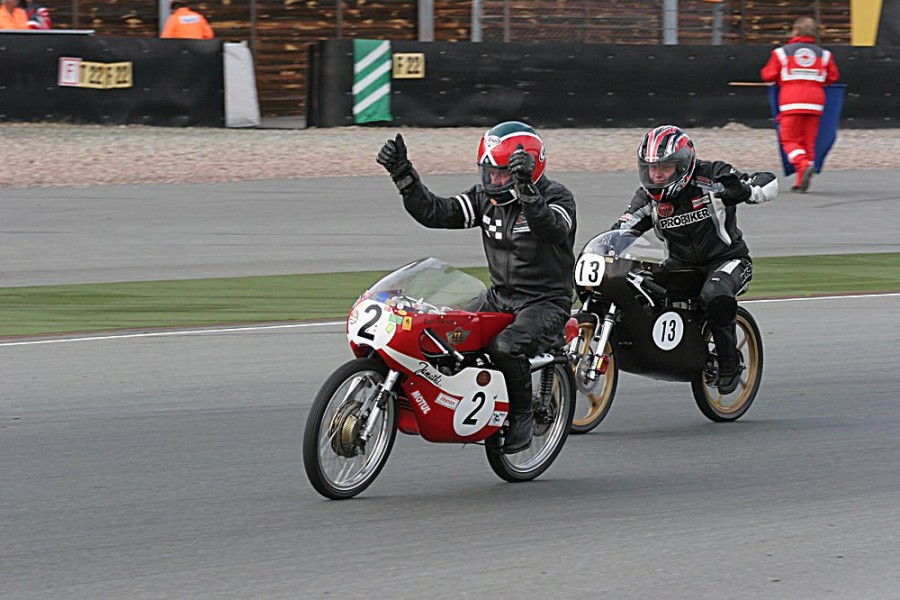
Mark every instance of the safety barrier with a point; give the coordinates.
(438, 84)
(88, 79)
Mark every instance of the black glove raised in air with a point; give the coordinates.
(521, 167)
(735, 189)
(392, 157)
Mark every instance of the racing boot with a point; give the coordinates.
(730, 369)
(729, 358)
(521, 420)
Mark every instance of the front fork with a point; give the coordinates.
(600, 340)
(374, 404)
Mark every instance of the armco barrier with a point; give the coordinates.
(588, 85)
(87, 79)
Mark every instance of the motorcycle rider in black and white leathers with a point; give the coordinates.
(528, 231)
(700, 230)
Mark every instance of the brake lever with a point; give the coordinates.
(637, 281)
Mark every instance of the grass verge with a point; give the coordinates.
(145, 304)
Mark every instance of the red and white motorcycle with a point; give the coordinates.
(421, 367)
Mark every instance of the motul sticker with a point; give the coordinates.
(421, 403)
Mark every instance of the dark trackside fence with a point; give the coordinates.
(87, 79)
(592, 85)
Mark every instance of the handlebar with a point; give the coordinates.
(643, 283)
(715, 188)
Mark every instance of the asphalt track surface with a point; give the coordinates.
(140, 233)
(169, 466)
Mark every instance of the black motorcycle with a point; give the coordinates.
(640, 318)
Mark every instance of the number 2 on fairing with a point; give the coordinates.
(364, 330)
(472, 414)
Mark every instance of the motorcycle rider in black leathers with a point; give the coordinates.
(528, 231)
(699, 231)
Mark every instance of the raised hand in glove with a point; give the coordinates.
(392, 157)
(735, 189)
(521, 165)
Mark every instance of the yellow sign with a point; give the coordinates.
(409, 65)
(74, 72)
(407, 323)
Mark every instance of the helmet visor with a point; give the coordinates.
(659, 175)
(495, 179)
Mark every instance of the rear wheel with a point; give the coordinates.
(724, 408)
(594, 397)
(338, 462)
(551, 428)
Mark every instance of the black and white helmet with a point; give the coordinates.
(662, 146)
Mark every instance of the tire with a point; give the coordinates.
(549, 437)
(331, 466)
(723, 409)
(591, 406)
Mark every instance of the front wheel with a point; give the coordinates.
(338, 462)
(551, 428)
(721, 408)
(594, 396)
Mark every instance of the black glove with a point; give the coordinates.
(735, 189)
(521, 165)
(392, 157)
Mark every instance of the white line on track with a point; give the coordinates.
(93, 338)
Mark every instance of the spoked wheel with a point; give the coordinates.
(594, 398)
(551, 428)
(338, 462)
(723, 408)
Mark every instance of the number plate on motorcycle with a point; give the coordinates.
(589, 270)
(370, 323)
(668, 330)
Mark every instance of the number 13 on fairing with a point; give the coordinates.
(589, 269)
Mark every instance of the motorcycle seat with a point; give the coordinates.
(682, 284)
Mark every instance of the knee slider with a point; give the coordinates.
(502, 346)
(721, 310)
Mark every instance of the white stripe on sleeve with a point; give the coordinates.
(563, 212)
(468, 212)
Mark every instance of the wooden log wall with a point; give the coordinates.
(285, 28)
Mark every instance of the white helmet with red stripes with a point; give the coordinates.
(666, 161)
(494, 150)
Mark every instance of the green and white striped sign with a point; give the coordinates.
(371, 81)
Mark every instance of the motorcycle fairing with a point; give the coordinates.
(373, 324)
(450, 408)
(639, 352)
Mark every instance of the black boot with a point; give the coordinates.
(729, 373)
(729, 359)
(520, 432)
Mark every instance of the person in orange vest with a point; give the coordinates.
(11, 16)
(186, 24)
(801, 69)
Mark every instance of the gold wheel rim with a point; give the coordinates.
(749, 343)
(598, 402)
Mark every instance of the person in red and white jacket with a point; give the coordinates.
(801, 69)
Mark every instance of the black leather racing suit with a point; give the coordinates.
(530, 257)
(702, 232)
